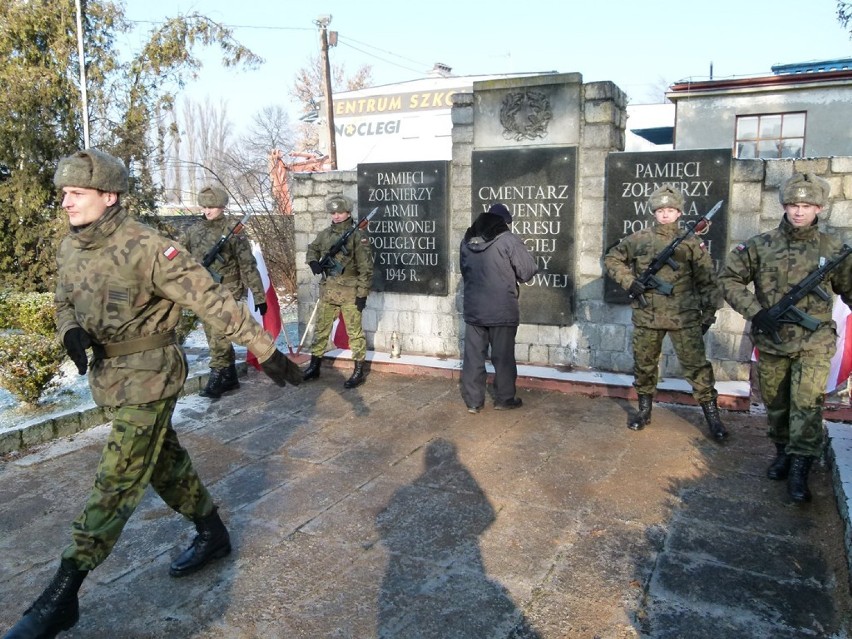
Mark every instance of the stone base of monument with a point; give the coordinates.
(732, 395)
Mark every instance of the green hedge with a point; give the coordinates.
(28, 363)
(28, 312)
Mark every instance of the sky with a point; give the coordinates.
(640, 46)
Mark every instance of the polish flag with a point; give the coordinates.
(339, 336)
(841, 363)
(272, 320)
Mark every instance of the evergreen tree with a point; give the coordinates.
(41, 120)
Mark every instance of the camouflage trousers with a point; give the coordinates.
(326, 314)
(688, 344)
(142, 448)
(793, 390)
(221, 349)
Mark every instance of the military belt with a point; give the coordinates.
(128, 347)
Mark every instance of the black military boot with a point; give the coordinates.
(57, 608)
(357, 376)
(212, 542)
(643, 417)
(215, 382)
(797, 482)
(714, 420)
(313, 369)
(230, 379)
(780, 466)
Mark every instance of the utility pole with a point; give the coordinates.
(81, 53)
(322, 22)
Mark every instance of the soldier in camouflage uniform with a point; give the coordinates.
(793, 374)
(239, 273)
(119, 284)
(685, 315)
(342, 291)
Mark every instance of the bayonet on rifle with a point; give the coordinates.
(649, 278)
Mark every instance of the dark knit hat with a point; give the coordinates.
(92, 169)
(338, 204)
(805, 187)
(212, 197)
(666, 196)
(501, 210)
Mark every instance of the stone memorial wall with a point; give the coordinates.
(601, 192)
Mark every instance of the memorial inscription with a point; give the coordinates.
(704, 177)
(409, 234)
(538, 186)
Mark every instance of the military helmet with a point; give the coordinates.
(338, 204)
(92, 169)
(212, 197)
(805, 187)
(666, 196)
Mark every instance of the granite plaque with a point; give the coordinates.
(538, 186)
(408, 234)
(702, 175)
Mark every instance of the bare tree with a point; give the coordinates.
(308, 90)
(844, 13)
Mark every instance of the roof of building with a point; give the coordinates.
(785, 76)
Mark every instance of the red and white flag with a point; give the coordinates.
(841, 363)
(339, 336)
(272, 320)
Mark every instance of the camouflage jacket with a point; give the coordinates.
(239, 269)
(120, 280)
(696, 294)
(356, 259)
(776, 261)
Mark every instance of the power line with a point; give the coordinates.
(233, 26)
(367, 44)
(372, 55)
(341, 40)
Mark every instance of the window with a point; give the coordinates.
(776, 135)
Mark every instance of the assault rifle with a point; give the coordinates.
(785, 309)
(328, 263)
(649, 278)
(215, 253)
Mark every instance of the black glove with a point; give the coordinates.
(76, 342)
(636, 289)
(360, 303)
(764, 323)
(281, 369)
(315, 267)
(261, 308)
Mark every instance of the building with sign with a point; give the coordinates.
(400, 122)
(411, 120)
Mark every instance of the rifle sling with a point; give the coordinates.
(128, 347)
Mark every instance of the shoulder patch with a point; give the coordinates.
(364, 240)
(740, 247)
(171, 253)
(702, 245)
